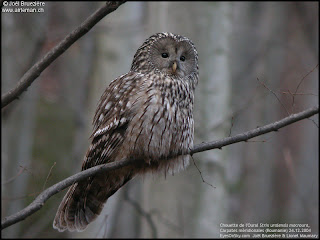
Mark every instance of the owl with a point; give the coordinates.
(145, 115)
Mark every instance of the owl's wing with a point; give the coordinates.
(111, 120)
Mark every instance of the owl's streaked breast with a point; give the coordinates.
(163, 125)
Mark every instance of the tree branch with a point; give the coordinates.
(275, 126)
(45, 195)
(35, 71)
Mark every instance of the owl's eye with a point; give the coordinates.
(164, 55)
(182, 58)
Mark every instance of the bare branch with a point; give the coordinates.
(34, 72)
(45, 195)
(256, 132)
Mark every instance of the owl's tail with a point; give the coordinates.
(84, 201)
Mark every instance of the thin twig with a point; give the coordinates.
(314, 122)
(201, 174)
(274, 95)
(295, 92)
(232, 119)
(45, 195)
(49, 174)
(35, 71)
(22, 169)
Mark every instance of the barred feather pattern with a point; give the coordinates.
(145, 115)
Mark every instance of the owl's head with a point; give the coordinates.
(168, 53)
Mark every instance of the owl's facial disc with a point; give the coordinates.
(172, 57)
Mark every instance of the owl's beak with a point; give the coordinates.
(174, 67)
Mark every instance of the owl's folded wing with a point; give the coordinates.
(111, 120)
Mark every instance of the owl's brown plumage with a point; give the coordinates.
(145, 115)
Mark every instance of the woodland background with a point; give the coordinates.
(252, 57)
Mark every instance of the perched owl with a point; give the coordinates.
(145, 115)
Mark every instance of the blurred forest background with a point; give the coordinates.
(242, 46)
